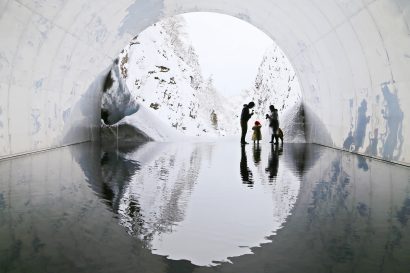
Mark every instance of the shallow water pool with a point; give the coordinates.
(203, 207)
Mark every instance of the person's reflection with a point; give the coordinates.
(256, 154)
(246, 173)
(273, 161)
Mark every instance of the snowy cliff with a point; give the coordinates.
(160, 73)
(156, 91)
(276, 84)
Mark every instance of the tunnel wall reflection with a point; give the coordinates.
(73, 209)
(352, 59)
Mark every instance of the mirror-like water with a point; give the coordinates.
(203, 203)
(201, 207)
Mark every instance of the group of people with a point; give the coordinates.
(257, 134)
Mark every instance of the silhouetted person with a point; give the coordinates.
(246, 173)
(257, 134)
(245, 116)
(273, 162)
(256, 154)
(273, 123)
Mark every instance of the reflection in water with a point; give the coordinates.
(180, 200)
(273, 162)
(345, 219)
(116, 181)
(256, 154)
(246, 173)
(87, 209)
(151, 186)
(403, 214)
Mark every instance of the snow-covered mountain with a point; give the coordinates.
(276, 84)
(156, 91)
(160, 73)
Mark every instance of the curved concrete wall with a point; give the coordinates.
(352, 58)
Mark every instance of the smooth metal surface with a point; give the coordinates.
(352, 59)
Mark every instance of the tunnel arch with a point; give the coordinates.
(352, 59)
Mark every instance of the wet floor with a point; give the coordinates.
(203, 207)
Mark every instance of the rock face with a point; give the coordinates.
(160, 72)
(157, 87)
(276, 84)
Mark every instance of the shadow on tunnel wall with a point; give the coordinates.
(315, 130)
(83, 119)
(385, 141)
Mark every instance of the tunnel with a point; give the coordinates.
(351, 57)
(338, 203)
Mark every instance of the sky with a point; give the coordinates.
(230, 50)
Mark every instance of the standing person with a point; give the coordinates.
(245, 116)
(257, 135)
(273, 123)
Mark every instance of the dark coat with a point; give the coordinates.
(245, 115)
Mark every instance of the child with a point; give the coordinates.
(257, 135)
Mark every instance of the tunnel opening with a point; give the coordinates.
(189, 76)
(345, 53)
(177, 207)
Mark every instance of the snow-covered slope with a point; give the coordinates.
(162, 74)
(155, 90)
(276, 84)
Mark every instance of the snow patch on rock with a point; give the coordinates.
(156, 87)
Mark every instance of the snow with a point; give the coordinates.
(277, 84)
(145, 120)
(158, 88)
(156, 91)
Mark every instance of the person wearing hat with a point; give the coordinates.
(245, 116)
(257, 135)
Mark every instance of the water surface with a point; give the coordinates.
(203, 207)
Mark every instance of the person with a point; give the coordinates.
(245, 116)
(273, 162)
(257, 135)
(256, 149)
(273, 123)
(246, 173)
